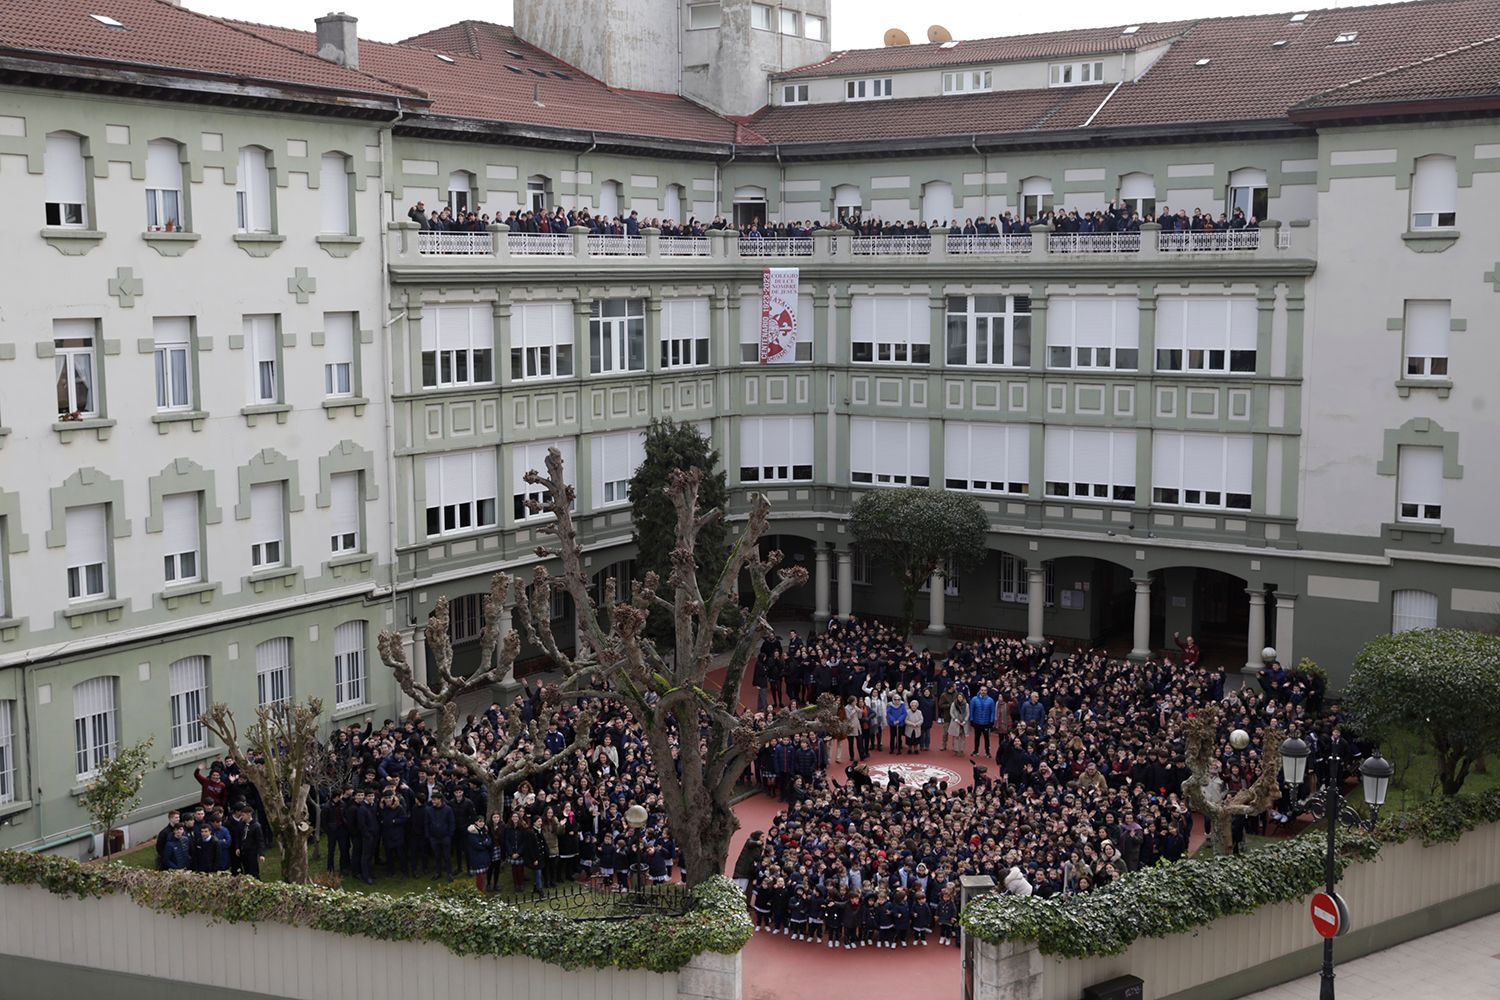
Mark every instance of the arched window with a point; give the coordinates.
(1138, 190)
(1249, 193)
(672, 206)
(189, 681)
(937, 203)
(460, 191)
(273, 671)
(610, 196)
(1036, 197)
(95, 735)
(66, 180)
(164, 186)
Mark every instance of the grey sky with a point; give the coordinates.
(856, 23)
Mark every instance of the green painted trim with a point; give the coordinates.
(183, 475)
(86, 487)
(13, 539)
(268, 466)
(344, 457)
(1423, 432)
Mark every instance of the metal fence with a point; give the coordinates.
(795, 246)
(684, 246)
(617, 246)
(471, 244)
(1094, 242)
(1228, 239)
(898, 246)
(541, 244)
(988, 245)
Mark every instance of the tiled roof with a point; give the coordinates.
(155, 33)
(494, 76)
(1467, 72)
(923, 117)
(1012, 48)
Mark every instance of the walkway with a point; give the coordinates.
(1461, 963)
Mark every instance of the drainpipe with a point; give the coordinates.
(780, 186)
(387, 161)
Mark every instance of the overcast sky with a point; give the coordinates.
(856, 23)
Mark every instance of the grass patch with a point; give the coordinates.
(1416, 779)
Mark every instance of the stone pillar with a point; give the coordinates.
(1140, 647)
(1036, 600)
(1286, 608)
(937, 599)
(1255, 637)
(820, 586)
(846, 585)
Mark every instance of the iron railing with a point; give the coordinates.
(1219, 240)
(1094, 242)
(896, 246)
(684, 246)
(617, 246)
(540, 244)
(786, 246)
(430, 242)
(990, 245)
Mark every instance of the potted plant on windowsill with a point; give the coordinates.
(70, 418)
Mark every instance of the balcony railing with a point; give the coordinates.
(1228, 239)
(469, 244)
(989, 245)
(794, 246)
(684, 246)
(892, 246)
(1094, 243)
(617, 246)
(539, 244)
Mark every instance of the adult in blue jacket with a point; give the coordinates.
(440, 829)
(982, 718)
(895, 717)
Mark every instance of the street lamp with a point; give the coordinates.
(1375, 775)
(636, 817)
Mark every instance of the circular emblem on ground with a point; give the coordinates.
(913, 774)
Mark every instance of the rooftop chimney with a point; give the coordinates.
(337, 40)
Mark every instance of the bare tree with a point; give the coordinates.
(278, 756)
(497, 656)
(671, 695)
(1210, 799)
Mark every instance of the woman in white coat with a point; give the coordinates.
(958, 724)
(875, 701)
(913, 726)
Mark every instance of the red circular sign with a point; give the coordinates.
(1327, 914)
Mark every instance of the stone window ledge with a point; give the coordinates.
(164, 421)
(286, 575)
(1400, 530)
(1429, 241)
(173, 244)
(179, 762)
(101, 426)
(337, 403)
(339, 245)
(10, 808)
(75, 613)
(350, 711)
(253, 413)
(1443, 386)
(72, 242)
(259, 244)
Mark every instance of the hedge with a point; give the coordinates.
(1172, 898)
(717, 922)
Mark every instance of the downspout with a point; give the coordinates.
(780, 186)
(578, 163)
(387, 162)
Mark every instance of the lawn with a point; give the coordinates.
(1416, 781)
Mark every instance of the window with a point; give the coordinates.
(1419, 477)
(617, 336)
(458, 346)
(93, 725)
(338, 354)
(265, 356)
(1413, 609)
(163, 185)
(794, 93)
(616, 457)
(267, 525)
(950, 580)
(460, 191)
(966, 81)
(1434, 193)
(1036, 197)
(890, 329)
(74, 365)
(888, 452)
(539, 193)
(173, 357)
(349, 677)
(1248, 192)
(1206, 334)
(181, 537)
(1201, 470)
(88, 552)
(868, 90)
(1426, 337)
(987, 458)
(813, 27)
(790, 22)
(189, 679)
(611, 196)
(523, 459)
(273, 671)
(1014, 581)
(760, 16)
(1077, 74)
(704, 15)
(1345, 38)
(989, 330)
(461, 491)
(344, 495)
(334, 194)
(750, 328)
(684, 333)
(1093, 331)
(7, 753)
(541, 338)
(558, 604)
(1090, 464)
(65, 181)
(776, 449)
(252, 191)
(1139, 192)
(465, 619)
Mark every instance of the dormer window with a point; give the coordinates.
(794, 93)
(868, 90)
(1346, 38)
(1077, 74)
(966, 82)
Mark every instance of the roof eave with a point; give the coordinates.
(1405, 108)
(482, 130)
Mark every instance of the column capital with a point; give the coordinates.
(1285, 600)
(1256, 596)
(1141, 583)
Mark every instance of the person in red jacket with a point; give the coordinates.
(1191, 654)
(215, 789)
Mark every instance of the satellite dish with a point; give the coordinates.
(938, 33)
(897, 37)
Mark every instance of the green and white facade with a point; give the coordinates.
(300, 420)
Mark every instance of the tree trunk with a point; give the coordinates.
(705, 848)
(293, 856)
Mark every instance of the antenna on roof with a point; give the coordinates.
(938, 33)
(897, 37)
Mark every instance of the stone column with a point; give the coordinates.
(820, 586)
(937, 599)
(1036, 600)
(1255, 637)
(1141, 641)
(1286, 608)
(846, 585)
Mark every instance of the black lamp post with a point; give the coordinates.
(1375, 775)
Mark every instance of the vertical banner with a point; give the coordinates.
(778, 315)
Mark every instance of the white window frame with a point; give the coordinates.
(172, 357)
(95, 725)
(541, 338)
(345, 496)
(7, 752)
(1249, 190)
(878, 88)
(65, 179)
(188, 680)
(704, 15)
(1068, 475)
(466, 619)
(1076, 74)
(462, 488)
(458, 346)
(273, 671)
(890, 330)
(262, 333)
(884, 452)
(76, 365)
(1424, 338)
(1009, 316)
(460, 191)
(987, 458)
(533, 455)
(181, 519)
(1434, 192)
(685, 329)
(350, 678)
(1138, 190)
(1181, 479)
(1037, 197)
(1201, 333)
(967, 81)
(268, 548)
(254, 191)
(814, 27)
(776, 450)
(1014, 581)
(340, 372)
(1419, 484)
(616, 456)
(794, 93)
(539, 193)
(1093, 332)
(1413, 609)
(617, 336)
(762, 17)
(790, 22)
(163, 185)
(335, 198)
(87, 553)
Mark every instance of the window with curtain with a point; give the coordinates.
(1413, 609)
(163, 185)
(181, 538)
(75, 367)
(263, 343)
(253, 191)
(339, 334)
(173, 357)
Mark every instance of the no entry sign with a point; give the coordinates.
(1330, 917)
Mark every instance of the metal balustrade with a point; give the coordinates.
(988, 245)
(897, 246)
(1094, 243)
(540, 244)
(793, 246)
(617, 246)
(1283, 238)
(450, 244)
(684, 246)
(1220, 240)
